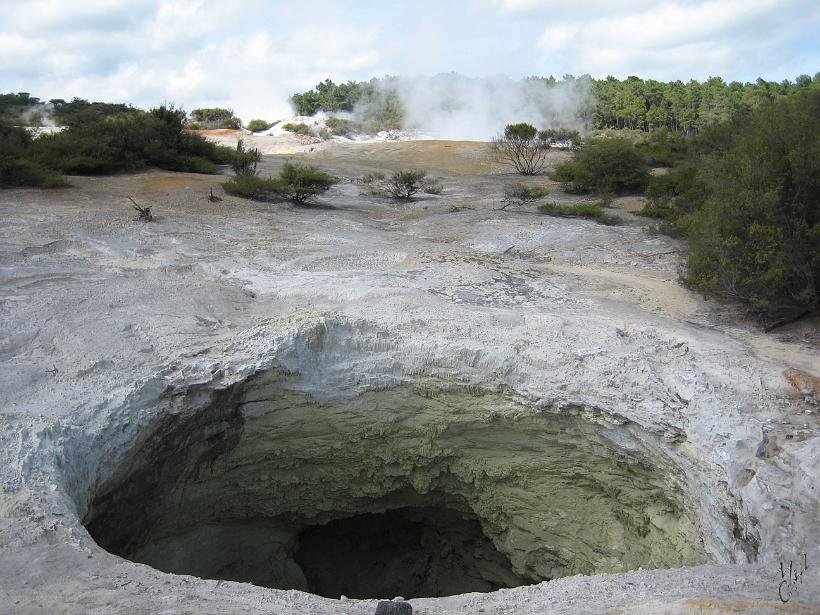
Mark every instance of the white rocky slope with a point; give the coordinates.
(123, 345)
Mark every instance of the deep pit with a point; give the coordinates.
(407, 551)
(423, 490)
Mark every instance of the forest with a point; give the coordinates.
(633, 103)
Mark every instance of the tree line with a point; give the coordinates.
(23, 109)
(631, 103)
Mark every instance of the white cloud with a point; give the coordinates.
(694, 39)
(192, 52)
(560, 9)
(252, 55)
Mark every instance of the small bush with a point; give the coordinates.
(522, 147)
(521, 194)
(258, 125)
(594, 211)
(433, 187)
(298, 183)
(295, 183)
(404, 184)
(245, 160)
(604, 166)
(371, 177)
(301, 128)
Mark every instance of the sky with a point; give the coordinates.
(251, 55)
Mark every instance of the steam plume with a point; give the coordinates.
(452, 106)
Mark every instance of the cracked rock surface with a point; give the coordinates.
(545, 378)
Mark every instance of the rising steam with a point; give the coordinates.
(452, 106)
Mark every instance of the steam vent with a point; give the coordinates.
(247, 408)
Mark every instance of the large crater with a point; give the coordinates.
(413, 490)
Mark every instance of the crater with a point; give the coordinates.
(426, 489)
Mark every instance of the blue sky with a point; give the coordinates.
(251, 55)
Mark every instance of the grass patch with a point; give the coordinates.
(591, 211)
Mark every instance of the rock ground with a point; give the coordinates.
(99, 313)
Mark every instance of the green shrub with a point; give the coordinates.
(16, 167)
(603, 166)
(78, 111)
(197, 146)
(594, 211)
(14, 140)
(215, 117)
(338, 126)
(130, 141)
(300, 128)
(21, 172)
(258, 125)
(756, 237)
(657, 213)
(253, 187)
(295, 183)
(298, 183)
(102, 139)
(404, 184)
(177, 161)
(245, 160)
(664, 148)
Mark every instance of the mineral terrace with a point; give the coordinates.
(257, 408)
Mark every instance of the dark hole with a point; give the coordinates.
(409, 552)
